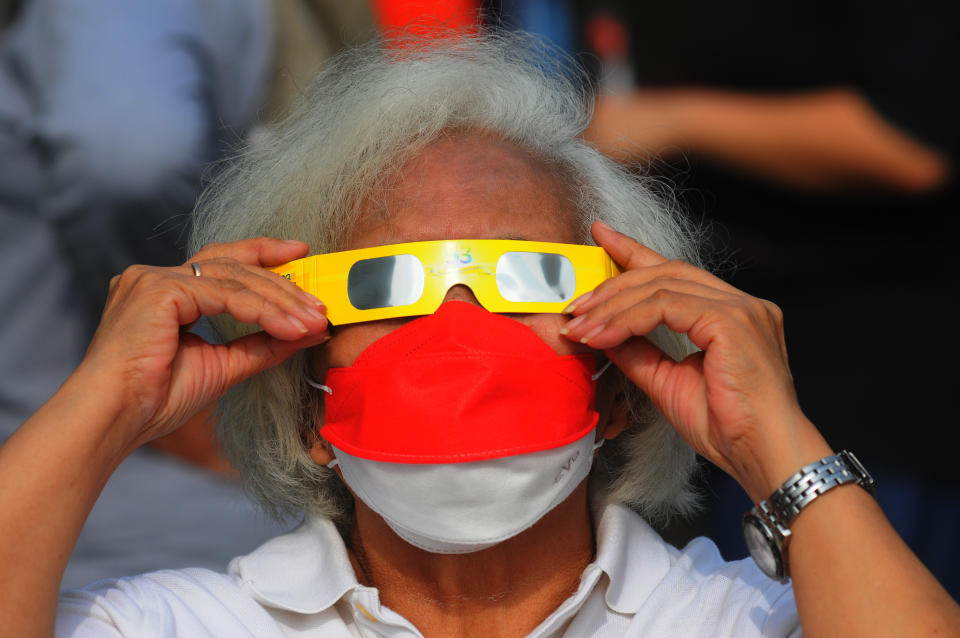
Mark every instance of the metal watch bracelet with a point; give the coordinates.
(816, 478)
(766, 527)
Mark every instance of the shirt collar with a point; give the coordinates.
(633, 556)
(308, 570)
(305, 571)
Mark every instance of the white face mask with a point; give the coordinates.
(456, 508)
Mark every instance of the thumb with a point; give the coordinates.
(253, 353)
(644, 363)
(676, 388)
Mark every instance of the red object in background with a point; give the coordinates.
(607, 36)
(423, 17)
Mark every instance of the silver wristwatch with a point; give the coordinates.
(766, 527)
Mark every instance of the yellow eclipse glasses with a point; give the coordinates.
(402, 280)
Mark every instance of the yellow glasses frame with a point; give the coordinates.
(471, 262)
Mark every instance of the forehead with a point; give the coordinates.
(469, 186)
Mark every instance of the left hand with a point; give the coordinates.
(162, 374)
(733, 401)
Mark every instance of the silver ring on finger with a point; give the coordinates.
(196, 268)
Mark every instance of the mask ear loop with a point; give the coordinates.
(325, 388)
(317, 384)
(599, 372)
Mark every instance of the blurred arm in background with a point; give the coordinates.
(823, 140)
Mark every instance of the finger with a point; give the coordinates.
(258, 251)
(218, 296)
(693, 315)
(666, 270)
(251, 354)
(281, 291)
(650, 369)
(673, 387)
(161, 294)
(639, 359)
(225, 365)
(625, 250)
(603, 309)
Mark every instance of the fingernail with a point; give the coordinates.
(316, 302)
(576, 302)
(316, 314)
(593, 333)
(605, 224)
(294, 242)
(299, 324)
(573, 323)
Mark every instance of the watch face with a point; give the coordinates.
(762, 547)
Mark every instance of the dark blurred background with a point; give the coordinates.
(818, 145)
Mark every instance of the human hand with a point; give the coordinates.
(733, 401)
(143, 351)
(638, 126)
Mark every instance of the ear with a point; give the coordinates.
(320, 450)
(612, 406)
(322, 453)
(618, 419)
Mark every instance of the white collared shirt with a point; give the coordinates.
(302, 584)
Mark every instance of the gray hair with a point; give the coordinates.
(372, 109)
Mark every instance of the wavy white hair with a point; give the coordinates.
(372, 109)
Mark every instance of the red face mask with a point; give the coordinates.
(462, 384)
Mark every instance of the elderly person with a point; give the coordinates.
(444, 442)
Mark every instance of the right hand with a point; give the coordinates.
(733, 400)
(164, 374)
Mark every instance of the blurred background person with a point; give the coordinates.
(109, 113)
(814, 144)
